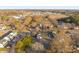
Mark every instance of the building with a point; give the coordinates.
(6, 38)
(16, 38)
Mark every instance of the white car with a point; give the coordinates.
(1, 46)
(10, 36)
(13, 33)
(6, 38)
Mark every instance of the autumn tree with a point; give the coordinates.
(62, 43)
(21, 44)
(27, 20)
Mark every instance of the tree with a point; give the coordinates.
(21, 44)
(62, 43)
(27, 20)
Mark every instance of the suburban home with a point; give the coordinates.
(6, 38)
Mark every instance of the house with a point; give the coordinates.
(6, 38)
(16, 38)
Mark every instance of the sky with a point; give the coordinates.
(39, 4)
(39, 7)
